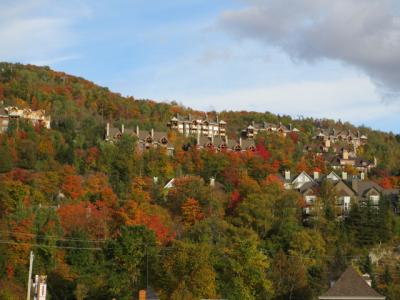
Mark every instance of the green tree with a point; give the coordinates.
(187, 271)
(6, 159)
(126, 261)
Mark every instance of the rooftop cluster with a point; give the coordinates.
(37, 117)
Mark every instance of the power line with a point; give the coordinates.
(53, 237)
(48, 246)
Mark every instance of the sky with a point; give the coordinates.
(305, 58)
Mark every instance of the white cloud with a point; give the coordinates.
(365, 34)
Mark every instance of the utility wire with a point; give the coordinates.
(48, 246)
(53, 237)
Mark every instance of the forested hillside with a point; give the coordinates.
(101, 224)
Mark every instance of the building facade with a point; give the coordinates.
(146, 139)
(204, 127)
(253, 129)
(329, 137)
(36, 117)
(347, 190)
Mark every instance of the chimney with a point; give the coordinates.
(316, 175)
(198, 137)
(344, 175)
(137, 130)
(108, 130)
(212, 181)
(287, 175)
(122, 128)
(240, 141)
(362, 176)
(155, 180)
(290, 126)
(212, 135)
(152, 133)
(345, 154)
(186, 129)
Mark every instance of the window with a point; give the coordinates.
(346, 203)
(310, 199)
(164, 141)
(374, 199)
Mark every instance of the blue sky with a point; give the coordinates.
(297, 57)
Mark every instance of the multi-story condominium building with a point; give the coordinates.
(254, 128)
(329, 137)
(36, 117)
(205, 127)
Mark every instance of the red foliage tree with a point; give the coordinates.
(263, 152)
(386, 183)
(234, 201)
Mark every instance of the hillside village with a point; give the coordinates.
(116, 195)
(212, 135)
(337, 148)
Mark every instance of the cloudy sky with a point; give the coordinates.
(337, 59)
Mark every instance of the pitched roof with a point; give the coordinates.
(246, 143)
(361, 187)
(343, 189)
(351, 284)
(307, 186)
(333, 176)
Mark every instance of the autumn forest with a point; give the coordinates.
(103, 224)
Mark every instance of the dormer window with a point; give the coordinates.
(149, 139)
(209, 145)
(251, 148)
(238, 148)
(164, 141)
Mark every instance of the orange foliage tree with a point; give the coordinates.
(191, 212)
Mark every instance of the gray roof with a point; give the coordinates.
(361, 187)
(351, 284)
(308, 185)
(114, 132)
(246, 143)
